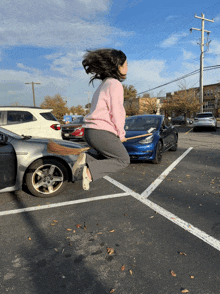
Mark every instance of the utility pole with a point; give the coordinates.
(33, 90)
(202, 54)
(88, 97)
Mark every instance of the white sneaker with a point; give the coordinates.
(78, 166)
(86, 180)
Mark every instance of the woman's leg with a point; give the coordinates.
(115, 156)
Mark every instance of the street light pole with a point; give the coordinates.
(88, 97)
(33, 90)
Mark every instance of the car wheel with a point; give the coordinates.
(46, 178)
(159, 152)
(194, 129)
(175, 146)
(215, 129)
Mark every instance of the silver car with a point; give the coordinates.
(205, 119)
(24, 161)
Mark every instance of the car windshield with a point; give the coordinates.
(142, 123)
(201, 115)
(78, 120)
(9, 133)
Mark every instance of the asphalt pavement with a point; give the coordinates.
(148, 229)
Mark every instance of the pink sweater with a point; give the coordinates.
(107, 110)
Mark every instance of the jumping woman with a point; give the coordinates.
(104, 125)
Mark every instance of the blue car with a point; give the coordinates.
(164, 137)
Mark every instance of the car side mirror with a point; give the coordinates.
(3, 139)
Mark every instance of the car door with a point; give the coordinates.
(166, 133)
(8, 163)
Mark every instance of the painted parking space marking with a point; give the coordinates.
(164, 174)
(181, 223)
(34, 208)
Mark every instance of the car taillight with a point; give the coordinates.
(55, 127)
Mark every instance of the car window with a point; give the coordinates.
(166, 122)
(78, 120)
(142, 123)
(201, 115)
(48, 116)
(1, 118)
(17, 117)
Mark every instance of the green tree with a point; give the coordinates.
(56, 103)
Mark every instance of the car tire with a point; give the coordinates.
(159, 152)
(42, 184)
(194, 129)
(215, 129)
(175, 146)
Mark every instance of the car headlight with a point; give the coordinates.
(147, 140)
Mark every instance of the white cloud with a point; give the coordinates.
(172, 40)
(188, 54)
(67, 23)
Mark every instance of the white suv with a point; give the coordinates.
(205, 119)
(30, 121)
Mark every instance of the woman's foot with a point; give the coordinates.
(78, 166)
(86, 178)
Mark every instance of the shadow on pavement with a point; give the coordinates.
(50, 268)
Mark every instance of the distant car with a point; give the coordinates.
(164, 137)
(180, 120)
(205, 119)
(73, 130)
(25, 162)
(30, 121)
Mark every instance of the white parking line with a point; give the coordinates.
(160, 179)
(14, 211)
(181, 223)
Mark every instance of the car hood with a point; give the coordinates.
(71, 126)
(64, 143)
(133, 134)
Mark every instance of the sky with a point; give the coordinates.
(44, 42)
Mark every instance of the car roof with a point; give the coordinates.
(142, 115)
(32, 108)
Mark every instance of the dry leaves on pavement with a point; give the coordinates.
(110, 250)
(122, 268)
(173, 274)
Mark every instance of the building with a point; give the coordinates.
(211, 97)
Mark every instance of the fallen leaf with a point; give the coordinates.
(29, 238)
(78, 225)
(99, 233)
(185, 291)
(55, 221)
(130, 271)
(180, 181)
(69, 229)
(112, 291)
(111, 231)
(182, 253)
(55, 249)
(52, 224)
(74, 231)
(70, 244)
(110, 250)
(173, 274)
(192, 277)
(122, 268)
(151, 216)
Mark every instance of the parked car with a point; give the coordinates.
(164, 137)
(30, 121)
(25, 162)
(180, 120)
(73, 130)
(205, 119)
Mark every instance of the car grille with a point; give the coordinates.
(68, 131)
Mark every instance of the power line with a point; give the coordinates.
(183, 77)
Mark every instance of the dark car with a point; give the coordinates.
(164, 137)
(26, 163)
(73, 130)
(180, 120)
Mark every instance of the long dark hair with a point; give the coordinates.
(104, 63)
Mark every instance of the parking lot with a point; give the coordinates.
(148, 229)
